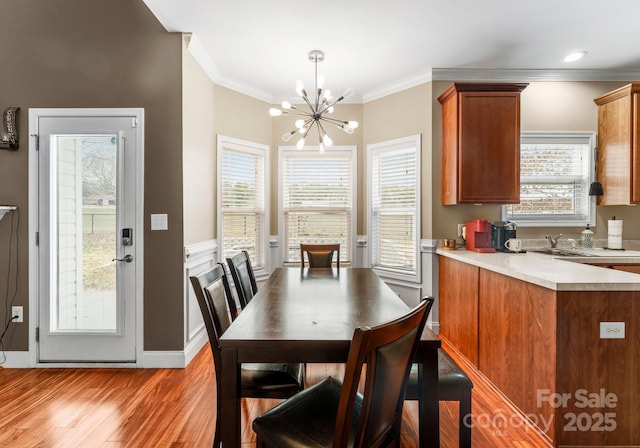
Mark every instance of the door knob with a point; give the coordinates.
(127, 258)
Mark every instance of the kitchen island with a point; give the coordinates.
(531, 323)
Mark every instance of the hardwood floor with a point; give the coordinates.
(117, 408)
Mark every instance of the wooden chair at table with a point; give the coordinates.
(320, 255)
(258, 380)
(453, 385)
(243, 277)
(330, 414)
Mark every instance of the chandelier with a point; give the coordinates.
(319, 107)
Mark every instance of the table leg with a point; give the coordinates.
(230, 420)
(429, 411)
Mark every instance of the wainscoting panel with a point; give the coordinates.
(198, 257)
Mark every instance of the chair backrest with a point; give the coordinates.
(243, 277)
(387, 350)
(320, 255)
(213, 293)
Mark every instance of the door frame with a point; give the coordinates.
(34, 274)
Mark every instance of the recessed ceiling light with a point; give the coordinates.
(575, 56)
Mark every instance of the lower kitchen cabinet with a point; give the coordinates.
(458, 305)
(542, 349)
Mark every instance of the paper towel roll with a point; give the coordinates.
(615, 234)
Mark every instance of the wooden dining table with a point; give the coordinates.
(309, 315)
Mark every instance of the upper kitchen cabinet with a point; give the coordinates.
(481, 143)
(618, 143)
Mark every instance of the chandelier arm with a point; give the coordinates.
(301, 113)
(334, 121)
(329, 104)
(321, 132)
(306, 100)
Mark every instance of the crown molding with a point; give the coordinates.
(397, 86)
(197, 49)
(469, 74)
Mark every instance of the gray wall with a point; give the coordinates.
(93, 53)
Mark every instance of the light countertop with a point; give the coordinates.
(553, 272)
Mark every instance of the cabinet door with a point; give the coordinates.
(614, 126)
(458, 305)
(489, 162)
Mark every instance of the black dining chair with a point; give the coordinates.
(320, 255)
(331, 414)
(258, 380)
(243, 277)
(453, 385)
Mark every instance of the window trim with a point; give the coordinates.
(352, 150)
(416, 141)
(260, 267)
(587, 137)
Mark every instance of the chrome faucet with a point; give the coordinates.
(553, 241)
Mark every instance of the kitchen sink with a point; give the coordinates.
(560, 252)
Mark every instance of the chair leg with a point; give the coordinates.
(464, 429)
(217, 438)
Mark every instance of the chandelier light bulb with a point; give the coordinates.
(353, 124)
(346, 128)
(299, 123)
(300, 143)
(321, 147)
(327, 141)
(330, 110)
(320, 82)
(303, 130)
(275, 112)
(286, 105)
(347, 93)
(327, 94)
(299, 87)
(287, 136)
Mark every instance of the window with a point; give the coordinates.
(317, 199)
(394, 207)
(242, 193)
(555, 173)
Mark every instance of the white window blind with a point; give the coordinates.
(555, 174)
(242, 195)
(317, 200)
(394, 205)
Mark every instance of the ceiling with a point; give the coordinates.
(261, 47)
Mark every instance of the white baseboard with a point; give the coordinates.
(173, 359)
(17, 360)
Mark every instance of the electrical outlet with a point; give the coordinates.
(611, 330)
(460, 228)
(17, 311)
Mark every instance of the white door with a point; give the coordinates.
(88, 242)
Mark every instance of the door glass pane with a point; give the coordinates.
(85, 222)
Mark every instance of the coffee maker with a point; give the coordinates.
(501, 231)
(478, 233)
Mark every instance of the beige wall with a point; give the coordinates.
(545, 106)
(198, 150)
(99, 54)
(400, 115)
(242, 117)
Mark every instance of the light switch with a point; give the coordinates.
(159, 221)
(611, 330)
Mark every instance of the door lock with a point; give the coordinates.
(127, 258)
(127, 237)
